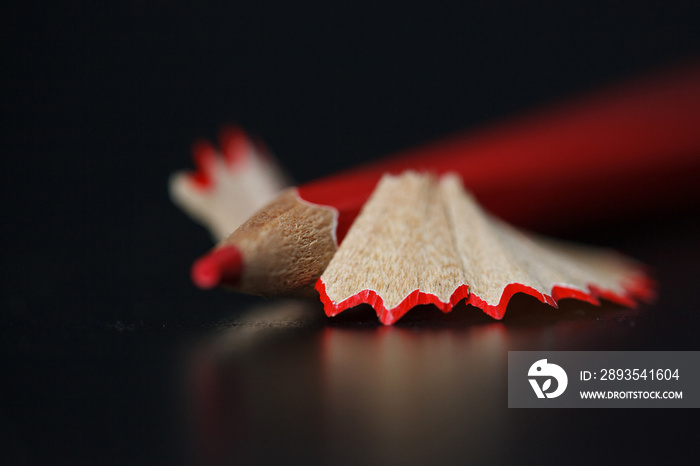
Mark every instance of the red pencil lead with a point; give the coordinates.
(222, 266)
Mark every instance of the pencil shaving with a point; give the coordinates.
(424, 240)
(229, 184)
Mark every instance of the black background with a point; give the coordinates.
(101, 103)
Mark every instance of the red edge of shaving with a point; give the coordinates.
(234, 144)
(639, 287)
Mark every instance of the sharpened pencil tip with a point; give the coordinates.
(222, 266)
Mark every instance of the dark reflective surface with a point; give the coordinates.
(286, 383)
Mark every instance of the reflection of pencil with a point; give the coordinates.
(621, 149)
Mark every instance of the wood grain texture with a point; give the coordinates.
(421, 239)
(285, 246)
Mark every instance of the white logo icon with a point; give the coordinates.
(543, 369)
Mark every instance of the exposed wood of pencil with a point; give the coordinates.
(284, 248)
(420, 241)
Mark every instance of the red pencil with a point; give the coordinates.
(599, 155)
